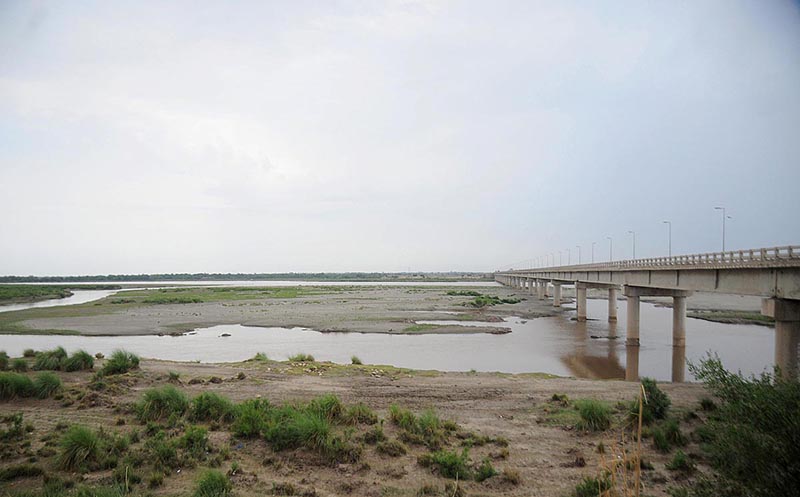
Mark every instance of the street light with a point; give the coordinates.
(669, 225)
(593, 244)
(579, 253)
(560, 260)
(634, 242)
(724, 216)
(610, 249)
(569, 257)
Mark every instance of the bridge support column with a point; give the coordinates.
(540, 289)
(531, 286)
(632, 363)
(678, 321)
(580, 299)
(632, 323)
(556, 294)
(678, 364)
(612, 305)
(787, 333)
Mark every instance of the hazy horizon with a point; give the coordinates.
(396, 136)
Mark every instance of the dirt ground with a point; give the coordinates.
(544, 447)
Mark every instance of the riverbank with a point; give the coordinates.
(512, 421)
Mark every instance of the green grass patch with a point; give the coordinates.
(46, 384)
(448, 464)
(20, 471)
(120, 362)
(212, 484)
(161, 403)
(15, 385)
(210, 406)
(79, 361)
(301, 357)
(595, 415)
(80, 449)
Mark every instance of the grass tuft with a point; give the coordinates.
(595, 415)
(210, 406)
(120, 362)
(46, 384)
(78, 361)
(161, 403)
(213, 484)
(355, 360)
(15, 385)
(301, 357)
(80, 448)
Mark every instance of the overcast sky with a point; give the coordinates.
(424, 135)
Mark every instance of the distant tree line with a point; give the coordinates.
(443, 276)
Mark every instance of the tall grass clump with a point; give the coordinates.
(120, 362)
(50, 360)
(301, 357)
(595, 415)
(656, 406)
(210, 406)
(80, 448)
(250, 418)
(19, 365)
(592, 487)
(3, 360)
(360, 414)
(213, 484)
(79, 360)
(14, 385)
(46, 384)
(161, 403)
(756, 442)
(29, 353)
(327, 406)
(425, 429)
(355, 360)
(448, 463)
(291, 428)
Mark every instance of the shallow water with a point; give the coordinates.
(555, 345)
(77, 297)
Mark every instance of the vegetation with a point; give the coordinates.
(656, 405)
(79, 360)
(213, 484)
(301, 357)
(355, 360)
(448, 463)
(20, 471)
(80, 448)
(595, 415)
(50, 359)
(209, 406)
(19, 365)
(592, 487)
(756, 439)
(46, 384)
(485, 471)
(161, 403)
(360, 414)
(425, 429)
(16, 385)
(680, 462)
(250, 418)
(3, 360)
(31, 293)
(120, 362)
(392, 448)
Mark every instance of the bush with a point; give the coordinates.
(213, 484)
(46, 384)
(14, 385)
(209, 406)
(327, 406)
(392, 448)
(161, 403)
(29, 353)
(595, 415)
(294, 428)
(756, 442)
(360, 413)
(250, 418)
(301, 357)
(592, 487)
(673, 433)
(3, 360)
(50, 360)
(485, 471)
(660, 440)
(260, 357)
(120, 362)
(195, 441)
(657, 402)
(79, 361)
(80, 448)
(355, 360)
(449, 464)
(426, 429)
(680, 462)
(707, 404)
(19, 365)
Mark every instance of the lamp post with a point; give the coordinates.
(569, 257)
(634, 242)
(579, 253)
(593, 244)
(669, 225)
(610, 249)
(724, 217)
(560, 259)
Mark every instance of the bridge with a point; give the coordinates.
(770, 273)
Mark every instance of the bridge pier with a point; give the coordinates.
(556, 294)
(580, 301)
(632, 322)
(612, 305)
(678, 321)
(787, 333)
(540, 288)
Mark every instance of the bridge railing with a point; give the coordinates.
(786, 255)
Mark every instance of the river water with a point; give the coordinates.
(556, 345)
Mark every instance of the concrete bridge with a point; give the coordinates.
(771, 273)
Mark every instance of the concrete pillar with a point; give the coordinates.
(546, 289)
(632, 326)
(531, 286)
(612, 305)
(540, 287)
(632, 362)
(678, 321)
(678, 364)
(556, 294)
(580, 298)
(787, 333)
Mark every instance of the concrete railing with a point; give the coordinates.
(756, 258)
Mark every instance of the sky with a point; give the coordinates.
(150, 136)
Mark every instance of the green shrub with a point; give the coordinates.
(78, 361)
(3, 360)
(301, 357)
(161, 403)
(250, 418)
(46, 384)
(355, 360)
(485, 471)
(707, 404)
(327, 406)
(294, 428)
(50, 360)
(680, 462)
(29, 353)
(209, 406)
(120, 362)
(392, 448)
(595, 415)
(14, 385)
(213, 484)
(19, 365)
(360, 414)
(673, 433)
(756, 437)
(657, 403)
(660, 440)
(374, 435)
(80, 448)
(592, 487)
(20, 471)
(426, 428)
(449, 464)
(195, 441)
(260, 357)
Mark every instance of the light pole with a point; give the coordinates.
(593, 244)
(560, 259)
(669, 225)
(579, 253)
(610, 249)
(724, 216)
(634, 242)
(569, 257)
